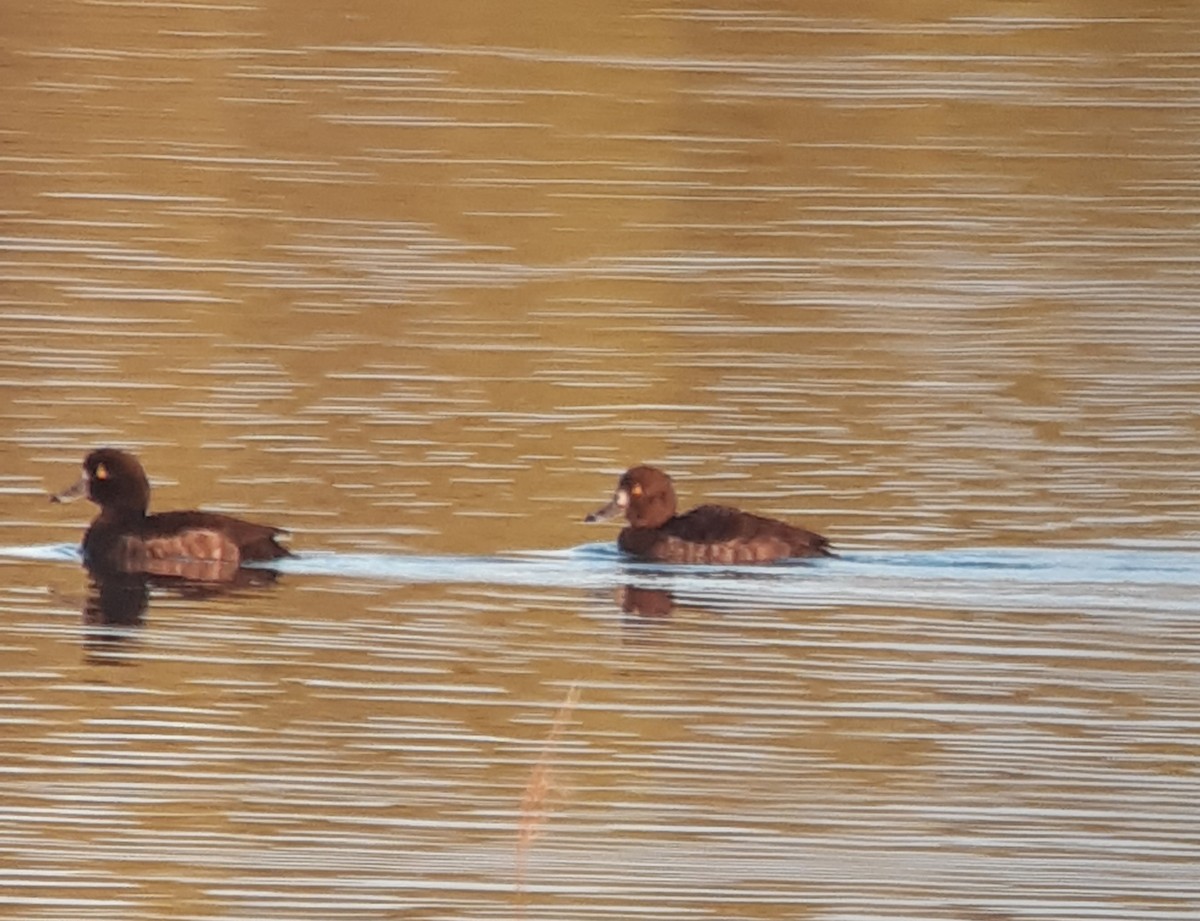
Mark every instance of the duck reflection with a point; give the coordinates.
(117, 602)
(642, 597)
(645, 602)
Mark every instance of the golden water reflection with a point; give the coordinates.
(417, 284)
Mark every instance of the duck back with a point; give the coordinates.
(722, 535)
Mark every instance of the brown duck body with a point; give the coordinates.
(723, 535)
(715, 534)
(202, 546)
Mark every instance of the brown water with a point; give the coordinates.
(418, 281)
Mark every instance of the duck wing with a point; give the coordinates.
(210, 536)
(733, 536)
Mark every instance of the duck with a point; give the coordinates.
(124, 538)
(713, 534)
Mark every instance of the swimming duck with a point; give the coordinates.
(707, 534)
(205, 546)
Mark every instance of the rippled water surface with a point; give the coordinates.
(418, 282)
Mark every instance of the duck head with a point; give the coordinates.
(112, 479)
(645, 495)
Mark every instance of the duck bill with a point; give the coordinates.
(71, 493)
(614, 508)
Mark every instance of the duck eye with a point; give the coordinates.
(635, 489)
(101, 472)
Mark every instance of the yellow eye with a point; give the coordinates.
(101, 472)
(635, 489)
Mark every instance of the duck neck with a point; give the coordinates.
(652, 513)
(122, 514)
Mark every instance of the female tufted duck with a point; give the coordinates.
(706, 534)
(202, 546)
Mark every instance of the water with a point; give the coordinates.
(419, 287)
